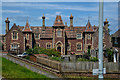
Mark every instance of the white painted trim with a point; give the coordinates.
(12, 35)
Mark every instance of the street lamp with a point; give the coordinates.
(100, 39)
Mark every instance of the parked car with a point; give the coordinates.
(22, 55)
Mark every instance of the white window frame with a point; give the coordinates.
(12, 35)
(13, 48)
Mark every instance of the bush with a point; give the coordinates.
(82, 59)
(55, 58)
(27, 57)
(39, 50)
(86, 56)
(109, 53)
(94, 59)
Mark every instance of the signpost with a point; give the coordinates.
(96, 71)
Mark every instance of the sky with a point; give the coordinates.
(19, 12)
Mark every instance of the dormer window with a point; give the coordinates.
(58, 20)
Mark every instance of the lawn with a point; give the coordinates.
(13, 70)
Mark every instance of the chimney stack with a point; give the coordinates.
(106, 24)
(43, 17)
(7, 25)
(71, 22)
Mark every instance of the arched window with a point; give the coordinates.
(37, 45)
(48, 46)
(79, 46)
(27, 36)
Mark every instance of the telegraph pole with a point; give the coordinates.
(100, 40)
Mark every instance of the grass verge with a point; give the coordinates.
(13, 70)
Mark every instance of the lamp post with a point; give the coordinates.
(100, 39)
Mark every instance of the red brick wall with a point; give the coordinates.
(33, 58)
(20, 39)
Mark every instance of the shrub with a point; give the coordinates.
(109, 53)
(82, 59)
(39, 50)
(55, 58)
(94, 59)
(86, 56)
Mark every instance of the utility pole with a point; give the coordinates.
(100, 40)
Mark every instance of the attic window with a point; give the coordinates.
(58, 20)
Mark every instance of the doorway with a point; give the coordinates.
(59, 49)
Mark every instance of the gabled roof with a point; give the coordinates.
(14, 25)
(27, 28)
(89, 27)
(116, 34)
(58, 21)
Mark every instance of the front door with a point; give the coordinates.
(59, 48)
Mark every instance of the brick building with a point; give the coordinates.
(116, 45)
(66, 39)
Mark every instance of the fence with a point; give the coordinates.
(89, 66)
(71, 66)
(78, 66)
